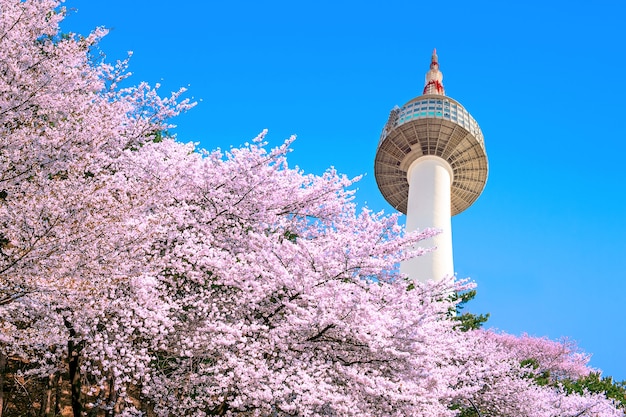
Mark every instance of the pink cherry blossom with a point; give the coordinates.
(167, 280)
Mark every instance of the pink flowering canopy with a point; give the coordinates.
(167, 280)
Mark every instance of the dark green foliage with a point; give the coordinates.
(155, 136)
(471, 411)
(467, 412)
(158, 135)
(290, 236)
(592, 383)
(541, 378)
(467, 321)
(615, 390)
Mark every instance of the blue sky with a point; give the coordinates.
(546, 241)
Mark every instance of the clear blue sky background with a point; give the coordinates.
(545, 80)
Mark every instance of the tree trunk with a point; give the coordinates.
(57, 396)
(74, 365)
(3, 366)
(73, 358)
(112, 400)
(48, 401)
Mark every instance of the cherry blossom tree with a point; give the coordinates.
(287, 300)
(284, 300)
(70, 214)
(145, 276)
(521, 376)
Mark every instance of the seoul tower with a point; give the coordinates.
(431, 164)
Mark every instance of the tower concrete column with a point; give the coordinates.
(429, 206)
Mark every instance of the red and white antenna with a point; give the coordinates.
(434, 77)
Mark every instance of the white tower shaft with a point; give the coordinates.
(429, 206)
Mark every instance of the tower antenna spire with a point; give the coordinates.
(434, 77)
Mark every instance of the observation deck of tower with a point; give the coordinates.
(431, 164)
